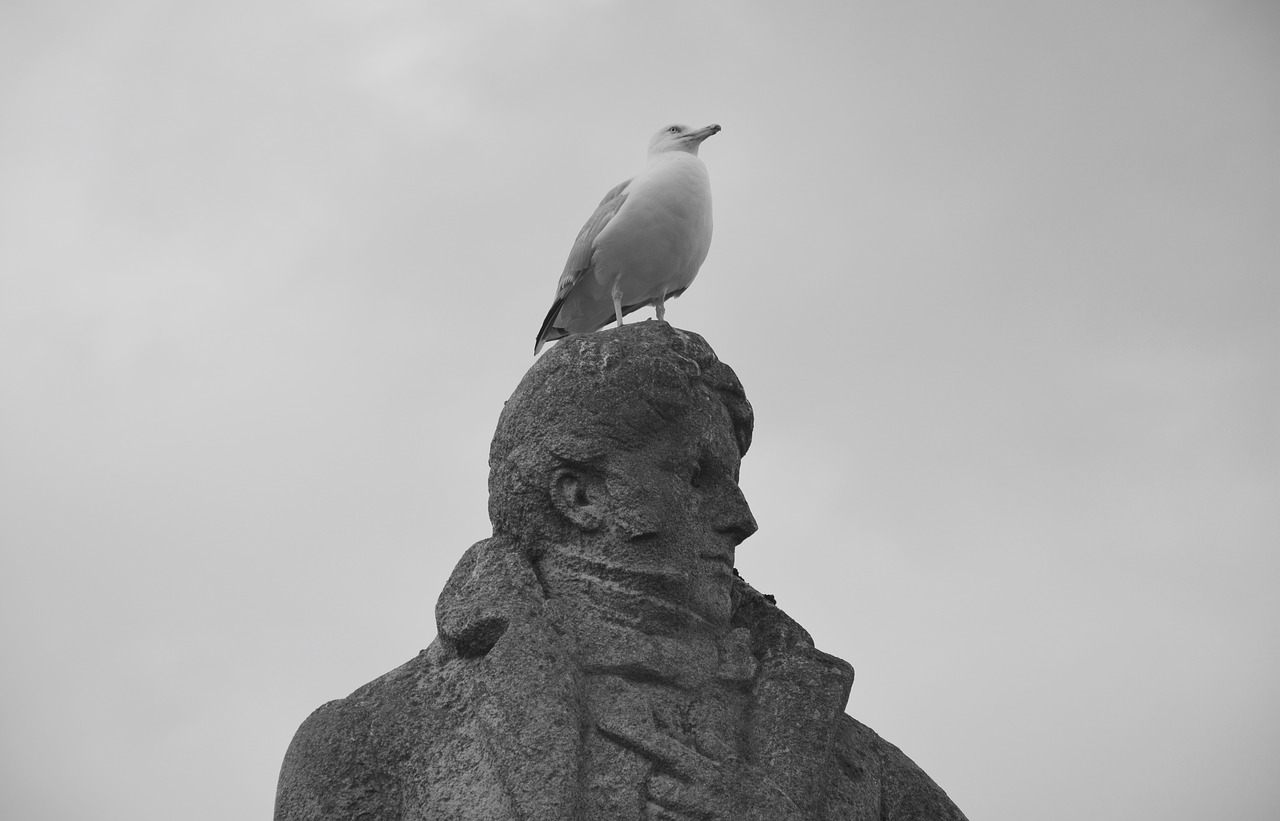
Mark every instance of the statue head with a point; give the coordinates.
(615, 466)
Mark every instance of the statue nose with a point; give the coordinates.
(736, 519)
(741, 530)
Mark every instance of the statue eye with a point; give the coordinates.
(696, 478)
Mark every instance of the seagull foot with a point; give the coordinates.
(617, 305)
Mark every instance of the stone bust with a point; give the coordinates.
(598, 657)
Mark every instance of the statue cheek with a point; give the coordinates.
(634, 524)
(634, 513)
(650, 508)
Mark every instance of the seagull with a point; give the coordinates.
(643, 245)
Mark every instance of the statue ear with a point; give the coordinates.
(580, 496)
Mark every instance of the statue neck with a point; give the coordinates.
(629, 620)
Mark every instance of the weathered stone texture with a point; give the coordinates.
(598, 658)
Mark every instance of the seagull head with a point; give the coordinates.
(680, 138)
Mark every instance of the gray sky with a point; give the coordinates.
(1002, 280)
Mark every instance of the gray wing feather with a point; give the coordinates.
(579, 261)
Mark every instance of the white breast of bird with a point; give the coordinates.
(662, 233)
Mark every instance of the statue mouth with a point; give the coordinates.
(723, 559)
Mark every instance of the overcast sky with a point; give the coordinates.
(1002, 280)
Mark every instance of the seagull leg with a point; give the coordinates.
(617, 304)
(660, 308)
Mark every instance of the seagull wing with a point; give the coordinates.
(580, 260)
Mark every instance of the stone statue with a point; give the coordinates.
(598, 657)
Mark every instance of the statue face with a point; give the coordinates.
(679, 513)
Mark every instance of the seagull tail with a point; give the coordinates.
(548, 332)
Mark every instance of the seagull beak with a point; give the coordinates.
(695, 137)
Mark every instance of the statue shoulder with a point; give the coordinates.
(890, 785)
(346, 759)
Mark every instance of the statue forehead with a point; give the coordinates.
(703, 431)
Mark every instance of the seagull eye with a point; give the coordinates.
(675, 129)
